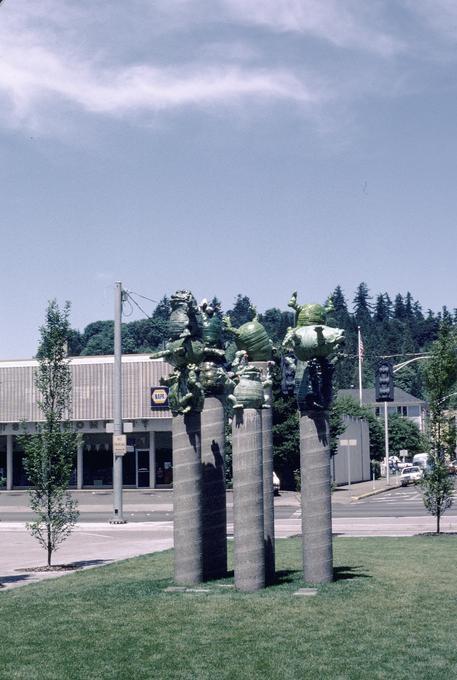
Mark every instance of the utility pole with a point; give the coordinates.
(119, 439)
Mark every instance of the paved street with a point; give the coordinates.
(396, 512)
(157, 506)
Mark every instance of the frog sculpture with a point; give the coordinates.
(195, 353)
(316, 347)
(249, 391)
(252, 338)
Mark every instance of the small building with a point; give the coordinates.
(405, 405)
(351, 463)
(148, 461)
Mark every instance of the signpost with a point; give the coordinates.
(348, 443)
(119, 444)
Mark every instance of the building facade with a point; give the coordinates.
(404, 404)
(148, 461)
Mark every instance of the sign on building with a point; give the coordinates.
(159, 397)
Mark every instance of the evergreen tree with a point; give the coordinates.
(242, 312)
(362, 307)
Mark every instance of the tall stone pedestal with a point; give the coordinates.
(187, 495)
(248, 518)
(316, 497)
(213, 494)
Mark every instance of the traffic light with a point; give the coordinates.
(384, 382)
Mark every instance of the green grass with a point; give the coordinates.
(391, 613)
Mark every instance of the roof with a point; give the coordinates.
(369, 397)
(92, 388)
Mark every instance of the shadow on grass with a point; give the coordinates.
(345, 573)
(286, 576)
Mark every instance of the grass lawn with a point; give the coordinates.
(391, 613)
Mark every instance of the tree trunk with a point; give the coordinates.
(438, 518)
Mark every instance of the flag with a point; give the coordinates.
(361, 348)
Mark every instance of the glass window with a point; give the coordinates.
(414, 411)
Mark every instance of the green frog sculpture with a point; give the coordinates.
(195, 352)
(249, 390)
(185, 320)
(185, 392)
(252, 338)
(213, 375)
(316, 347)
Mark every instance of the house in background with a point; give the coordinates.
(404, 404)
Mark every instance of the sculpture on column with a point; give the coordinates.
(185, 351)
(249, 403)
(316, 347)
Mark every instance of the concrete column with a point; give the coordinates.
(248, 518)
(213, 493)
(268, 493)
(79, 466)
(9, 462)
(187, 486)
(316, 504)
(152, 460)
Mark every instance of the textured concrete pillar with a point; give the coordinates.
(213, 490)
(187, 486)
(268, 493)
(9, 462)
(316, 502)
(248, 519)
(152, 460)
(79, 466)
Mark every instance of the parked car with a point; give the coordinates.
(413, 474)
(276, 484)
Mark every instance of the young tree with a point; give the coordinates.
(440, 378)
(50, 454)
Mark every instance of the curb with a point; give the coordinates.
(375, 492)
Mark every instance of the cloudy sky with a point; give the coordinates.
(253, 146)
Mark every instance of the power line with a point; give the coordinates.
(137, 305)
(142, 296)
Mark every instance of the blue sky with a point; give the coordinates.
(253, 146)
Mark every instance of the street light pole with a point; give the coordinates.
(386, 442)
(118, 517)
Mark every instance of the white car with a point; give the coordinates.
(413, 473)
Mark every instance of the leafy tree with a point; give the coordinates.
(404, 434)
(50, 454)
(440, 379)
(286, 438)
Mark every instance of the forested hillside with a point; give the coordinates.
(397, 328)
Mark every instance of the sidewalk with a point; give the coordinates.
(364, 489)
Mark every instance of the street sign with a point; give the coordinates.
(159, 397)
(119, 444)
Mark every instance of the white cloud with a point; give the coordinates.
(38, 70)
(349, 24)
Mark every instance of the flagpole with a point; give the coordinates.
(359, 352)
